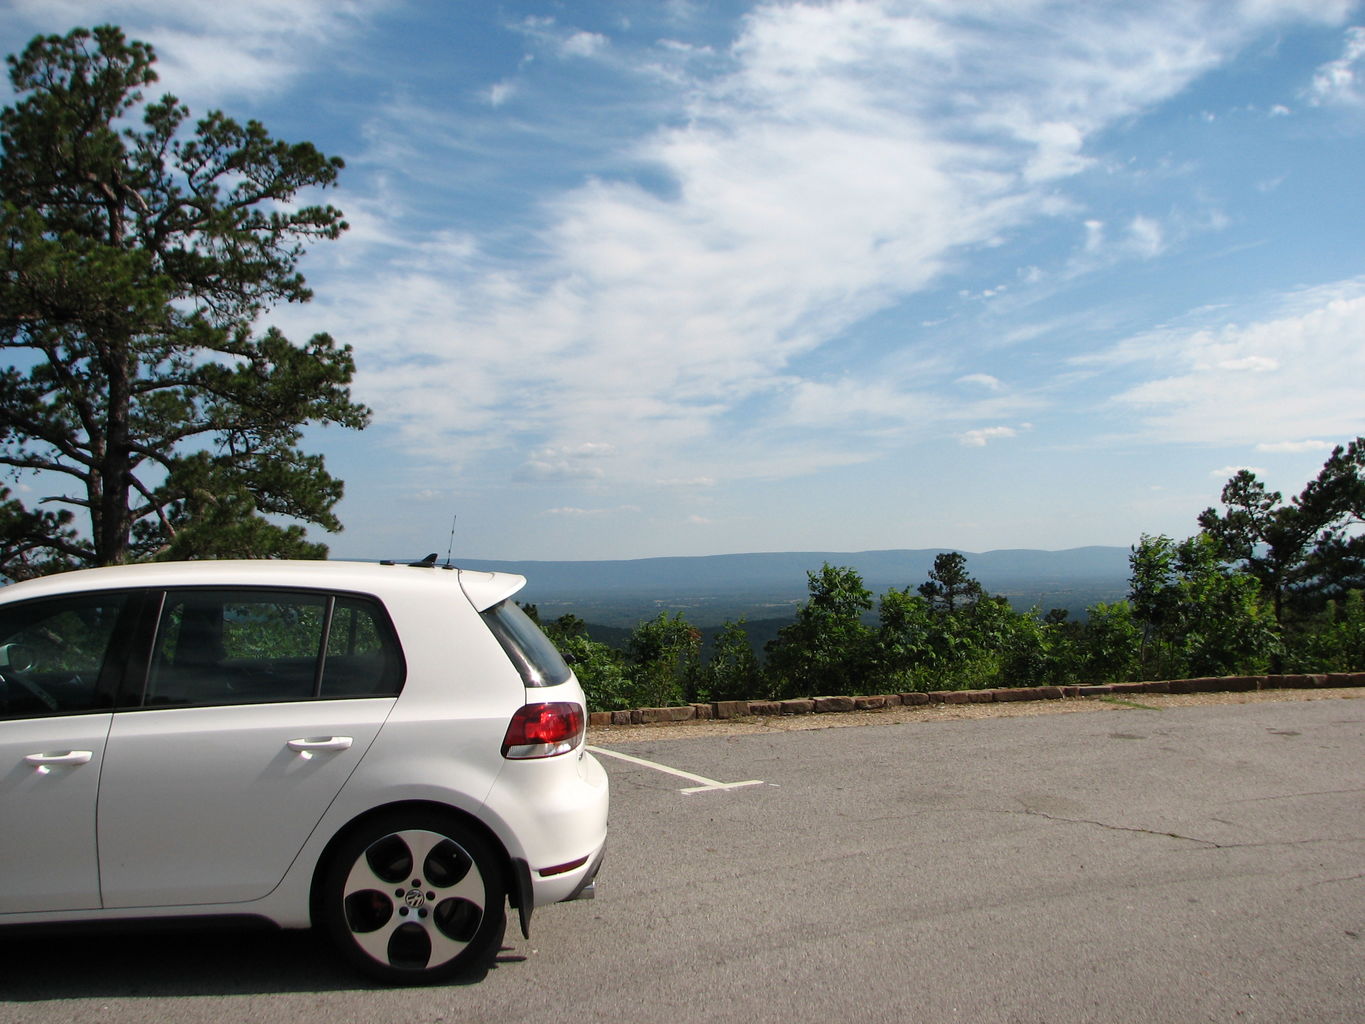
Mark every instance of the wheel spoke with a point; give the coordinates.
(468, 888)
(421, 844)
(362, 877)
(443, 947)
(376, 943)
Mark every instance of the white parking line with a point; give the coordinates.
(704, 784)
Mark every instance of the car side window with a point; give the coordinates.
(52, 653)
(216, 647)
(363, 656)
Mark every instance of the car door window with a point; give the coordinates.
(219, 647)
(363, 655)
(53, 652)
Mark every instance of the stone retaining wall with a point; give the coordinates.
(819, 705)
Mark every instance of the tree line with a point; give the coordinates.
(1266, 585)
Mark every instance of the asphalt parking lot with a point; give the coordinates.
(1190, 864)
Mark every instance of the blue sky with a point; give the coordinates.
(675, 278)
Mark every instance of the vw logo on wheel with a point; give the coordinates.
(414, 898)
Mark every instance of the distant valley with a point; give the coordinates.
(713, 589)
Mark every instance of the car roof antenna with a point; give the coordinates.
(452, 538)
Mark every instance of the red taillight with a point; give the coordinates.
(543, 730)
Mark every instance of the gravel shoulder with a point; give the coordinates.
(1139, 703)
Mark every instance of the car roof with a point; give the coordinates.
(483, 589)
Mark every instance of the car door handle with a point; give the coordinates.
(70, 757)
(330, 743)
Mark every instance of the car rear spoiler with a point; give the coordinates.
(485, 589)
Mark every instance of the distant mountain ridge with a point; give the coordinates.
(758, 583)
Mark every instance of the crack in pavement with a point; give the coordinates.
(1296, 796)
(1207, 844)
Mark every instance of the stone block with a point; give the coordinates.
(826, 704)
(981, 696)
(797, 706)
(910, 700)
(1201, 684)
(869, 703)
(1346, 679)
(1132, 688)
(651, 715)
(765, 707)
(730, 708)
(1296, 681)
(597, 719)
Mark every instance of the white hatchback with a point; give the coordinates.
(390, 753)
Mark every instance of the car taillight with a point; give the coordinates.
(543, 730)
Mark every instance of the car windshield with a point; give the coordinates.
(539, 663)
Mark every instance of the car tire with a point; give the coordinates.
(414, 897)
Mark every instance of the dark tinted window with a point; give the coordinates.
(257, 646)
(52, 653)
(539, 663)
(363, 656)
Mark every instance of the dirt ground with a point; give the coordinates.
(1134, 702)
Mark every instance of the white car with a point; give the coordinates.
(391, 753)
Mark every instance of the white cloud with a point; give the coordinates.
(1094, 235)
(1340, 81)
(984, 380)
(691, 482)
(584, 44)
(1228, 472)
(577, 463)
(500, 92)
(209, 51)
(1145, 237)
(846, 156)
(561, 39)
(980, 438)
(1298, 370)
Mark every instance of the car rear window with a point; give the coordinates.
(539, 663)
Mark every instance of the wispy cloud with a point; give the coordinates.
(843, 159)
(1341, 80)
(1228, 472)
(1297, 370)
(980, 438)
(674, 307)
(208, 51)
